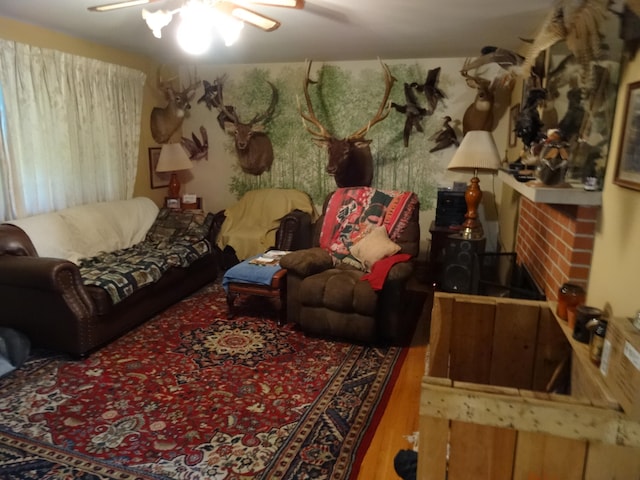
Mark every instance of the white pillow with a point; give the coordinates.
(374, 246)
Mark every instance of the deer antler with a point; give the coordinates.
(322, 132)
(385, 106)
(473, 81)
(192, 85)
(259, 118)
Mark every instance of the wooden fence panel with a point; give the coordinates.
(432, 448)
(552, 349)
(547, 457)
(440, 336)
(514, 344)
(612, 462)
(471, 340)
(480, 452)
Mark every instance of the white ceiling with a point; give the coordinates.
(325, 30)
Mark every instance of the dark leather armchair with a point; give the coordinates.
(333, 300)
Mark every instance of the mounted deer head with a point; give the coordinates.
(166, 121)
(350, 161)
(479, 115)
(253, 146)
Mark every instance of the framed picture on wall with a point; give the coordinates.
(158, 180)
(628, 167)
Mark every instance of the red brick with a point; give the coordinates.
(588, 213)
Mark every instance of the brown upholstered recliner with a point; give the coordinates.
(331, 299)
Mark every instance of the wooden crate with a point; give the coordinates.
(484, 413)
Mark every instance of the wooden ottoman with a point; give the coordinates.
(240, 280)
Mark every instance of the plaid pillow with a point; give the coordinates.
(171, 224)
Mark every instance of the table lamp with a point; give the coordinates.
(477, 153)
(173, 157)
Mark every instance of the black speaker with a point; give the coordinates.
(461, 269)
(451, 208)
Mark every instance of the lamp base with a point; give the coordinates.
(471, 227)
(174, 186)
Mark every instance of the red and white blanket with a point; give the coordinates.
(354, 211)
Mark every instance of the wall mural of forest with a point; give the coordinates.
(345, 98)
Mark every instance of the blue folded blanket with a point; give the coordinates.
(246, 272)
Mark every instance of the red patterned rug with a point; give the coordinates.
(193, 395)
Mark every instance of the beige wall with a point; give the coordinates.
(616, 262)
(32, 35)
(615, 272)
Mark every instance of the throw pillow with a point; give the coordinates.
(374, 246)
(171, 225)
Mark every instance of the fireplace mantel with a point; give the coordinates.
(575, 195)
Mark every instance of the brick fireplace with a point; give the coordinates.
(555, 243)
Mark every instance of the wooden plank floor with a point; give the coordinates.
(400, 418)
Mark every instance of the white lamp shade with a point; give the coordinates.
(173, 157)
(477, 152)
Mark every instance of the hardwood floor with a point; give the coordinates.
(400, 418)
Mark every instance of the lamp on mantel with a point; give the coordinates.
(173, 157)
(477, 153)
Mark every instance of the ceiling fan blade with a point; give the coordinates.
(249, 16)
(274, 3)
(118, 5)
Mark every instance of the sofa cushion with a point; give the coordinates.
(339, 289)
(122, 272)
(86, 230)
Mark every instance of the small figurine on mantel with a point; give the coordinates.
(553, 159)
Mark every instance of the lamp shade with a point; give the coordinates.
(173, 157)
(477, 152)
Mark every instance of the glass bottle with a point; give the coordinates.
(569, 296)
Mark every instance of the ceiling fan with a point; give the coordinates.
(236, 9)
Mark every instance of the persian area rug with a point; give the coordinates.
(193, 395)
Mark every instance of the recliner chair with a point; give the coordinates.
(326, 292)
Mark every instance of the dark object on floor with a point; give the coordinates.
(14, 349)
(406, 464)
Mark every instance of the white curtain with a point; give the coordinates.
(70, 130)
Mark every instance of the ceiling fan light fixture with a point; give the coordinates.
(156, 21)
(274, 3)
(117, 5)
(195, 33)
(228, 27)
(267, 24)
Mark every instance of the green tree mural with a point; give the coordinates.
(343, 101)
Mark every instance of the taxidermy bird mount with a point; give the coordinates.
(196, 148)
(413, 112)
(508, 60)
(445, 137)
(577, 23)
(430, 89)
(528, 124)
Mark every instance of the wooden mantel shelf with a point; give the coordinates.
(575, 195)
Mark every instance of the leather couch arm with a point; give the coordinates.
(307, 262)
(400, 271)
(14, 241)
(294, 232)
(40, 277)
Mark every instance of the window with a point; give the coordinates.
(70, 130)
